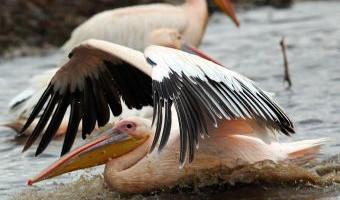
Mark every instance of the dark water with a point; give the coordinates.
(312, 33)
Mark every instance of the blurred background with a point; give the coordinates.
(48, 23)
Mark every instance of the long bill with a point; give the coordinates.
(111, 144)
(190, 49)
(227, 7)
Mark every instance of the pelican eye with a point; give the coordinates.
(130, 125)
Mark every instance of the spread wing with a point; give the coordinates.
(94, 81)
(203, 93)
(99, 74)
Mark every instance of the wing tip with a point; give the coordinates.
(25, 148)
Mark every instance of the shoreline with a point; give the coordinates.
(34, 27)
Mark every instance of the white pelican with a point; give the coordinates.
(198, 106)
(132, 27)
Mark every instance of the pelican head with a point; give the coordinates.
(119, 141)
(227, 7)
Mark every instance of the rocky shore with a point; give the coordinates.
(27, 26)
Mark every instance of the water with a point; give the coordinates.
(312, 34)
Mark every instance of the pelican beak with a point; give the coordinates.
(190, 49)
(111, 144)
(227, 7)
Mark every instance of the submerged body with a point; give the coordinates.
(235, 144)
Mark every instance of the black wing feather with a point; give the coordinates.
(47, 93)
(102, 107)
(183, 135)
(43, 120)
(159, 122)
(111, 93)
(75, 118)
(167, 123)
(203, 99)
(90, 114)
(91, 102)
(54, 123)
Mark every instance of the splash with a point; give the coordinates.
(86, 187)
(312, 179)
(264, 172)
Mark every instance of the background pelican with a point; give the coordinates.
(197, 105)
(132, 27)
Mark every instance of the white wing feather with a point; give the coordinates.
(205, 93)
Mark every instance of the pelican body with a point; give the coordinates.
(204, 116)
(131, 26)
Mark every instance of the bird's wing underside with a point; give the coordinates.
(93, 82)
(203, 93)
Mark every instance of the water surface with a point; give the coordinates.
(312, 34)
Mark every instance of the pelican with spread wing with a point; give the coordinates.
(204, 116)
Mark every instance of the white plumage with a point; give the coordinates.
(129, 26)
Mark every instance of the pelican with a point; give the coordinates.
(130, 26)
(134, 27)
(204, 116)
